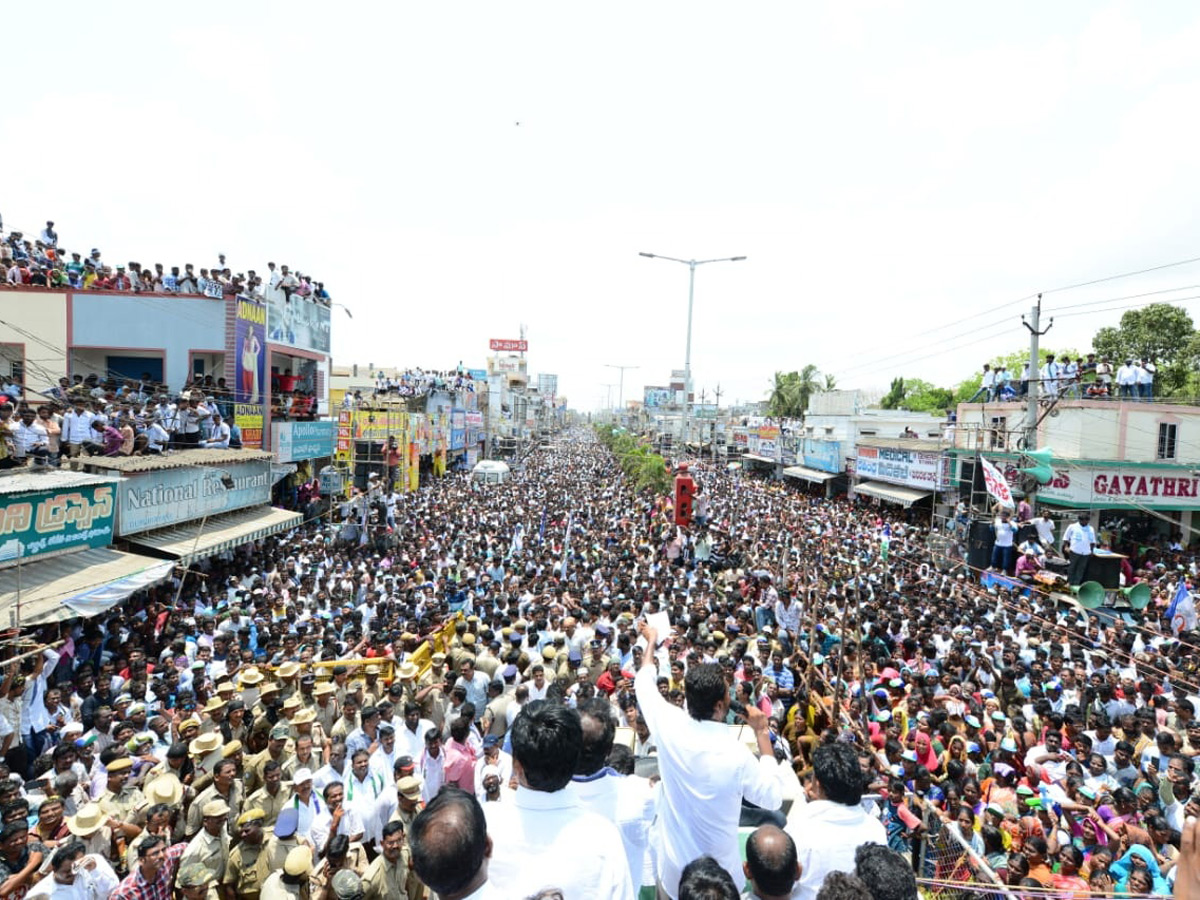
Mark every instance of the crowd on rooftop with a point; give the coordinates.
(41, 262)
(276, 725)
(115, 416)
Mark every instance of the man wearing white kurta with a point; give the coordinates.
(545, 838)
(830, 826)
(705, 770)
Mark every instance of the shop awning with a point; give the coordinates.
(754, 458)
(75, 584)
(892, 493)
(196, 540)
(814, 475)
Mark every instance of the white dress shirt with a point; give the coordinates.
(630, 803)
(410, 743)
(549, 840)
(826, 836)
(705, 774)
(350, 825)
(77, 428)
(89, 884)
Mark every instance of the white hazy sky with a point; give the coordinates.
(888, 168)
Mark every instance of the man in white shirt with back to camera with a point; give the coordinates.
(830, 826)
(545, 839)
(705, 770)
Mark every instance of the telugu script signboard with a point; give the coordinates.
(294, 441)
(913, 468)
(507, 346)
(41, 522)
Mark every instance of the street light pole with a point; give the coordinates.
(621, 385)
(687, 359)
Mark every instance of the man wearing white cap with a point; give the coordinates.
(305, 800)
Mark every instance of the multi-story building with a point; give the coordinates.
(1135, 465)
(273, 356)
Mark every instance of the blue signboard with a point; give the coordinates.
(824, 456)
(295, 441)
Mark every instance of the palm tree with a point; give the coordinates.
(830, 382)
(809, 383)
(783, 396)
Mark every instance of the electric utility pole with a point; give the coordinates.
(1035, 381)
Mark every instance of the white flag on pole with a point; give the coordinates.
(993, 478)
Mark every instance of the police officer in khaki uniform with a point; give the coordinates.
(289, 880)
(226, 787)
(121, 801)
(275, 750)
(289, 677)
(242, 875)
(325, 706)
(210, 847)
(282, 843)
(386, 878)
(272, 796)
(308, 685)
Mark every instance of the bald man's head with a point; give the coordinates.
(450, 844)
(771, 862)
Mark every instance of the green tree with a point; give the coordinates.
(783, 396)
(1158, 332)
(895, 395)
(921, 396)
(790, 392)
(830, 382)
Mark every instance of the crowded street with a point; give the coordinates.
(508, 665)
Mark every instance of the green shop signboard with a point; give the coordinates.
(40, 522)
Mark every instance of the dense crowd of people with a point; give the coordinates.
(41, 262)
(546, 688)
(114, 416)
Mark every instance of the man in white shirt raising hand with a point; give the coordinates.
(705, 770)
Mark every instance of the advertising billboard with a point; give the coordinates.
(163, 497)
(299, 323)
(249, 401)
(657, 397)
(1123, 487)
(40, 522)
(295, 441)
(508, 346)
(913, 468)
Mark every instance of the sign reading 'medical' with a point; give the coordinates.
(157, 499)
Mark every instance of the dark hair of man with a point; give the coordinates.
(843, 886)
(392, 827)
(621, 759)
(67, 852)
(448, 840)
(704, 879)
(704, 688)
(887, 874)
(772, 867)
(546, 740)
(149, 844)
(599, 730)
(837, 771)
(460, 728)
(339, 846)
